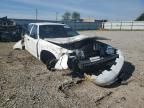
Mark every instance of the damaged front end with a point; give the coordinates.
(101, 61)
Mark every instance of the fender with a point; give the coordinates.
(50, 47)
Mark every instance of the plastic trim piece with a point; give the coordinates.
(18, 45)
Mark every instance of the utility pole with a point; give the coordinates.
(89, 18)
(56, 16)
(36, 14)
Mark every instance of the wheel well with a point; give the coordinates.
(46, 56)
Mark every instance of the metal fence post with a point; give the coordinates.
(111, 25)
(132, 26)
(103, 25)
(120, 25)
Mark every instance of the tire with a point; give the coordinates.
(51, 64)
(48, 58)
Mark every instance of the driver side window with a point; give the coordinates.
(34, 32)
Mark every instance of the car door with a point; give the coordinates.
(27, 37)
(31, 41)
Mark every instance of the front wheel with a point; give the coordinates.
(51, 64)
(49, 59)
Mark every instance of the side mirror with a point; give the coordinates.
(33, 36)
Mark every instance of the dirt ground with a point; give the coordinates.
(26, 83)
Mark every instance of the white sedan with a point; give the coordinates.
(60, 47)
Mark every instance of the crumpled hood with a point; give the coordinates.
(72, 39)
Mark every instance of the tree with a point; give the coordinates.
(75, 16)
(66, 16)
(140, 18)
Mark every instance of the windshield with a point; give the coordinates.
(56, 31)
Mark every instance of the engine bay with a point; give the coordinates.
(90, 53)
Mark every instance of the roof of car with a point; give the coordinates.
(46, 23)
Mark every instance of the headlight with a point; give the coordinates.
(110, 50)
(80, 54)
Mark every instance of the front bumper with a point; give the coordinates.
(87, 64)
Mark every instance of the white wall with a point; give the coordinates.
(124, 25)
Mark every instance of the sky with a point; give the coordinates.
(47, 9)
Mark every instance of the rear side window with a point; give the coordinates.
(34, 32)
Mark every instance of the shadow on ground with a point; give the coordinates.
(126, 73)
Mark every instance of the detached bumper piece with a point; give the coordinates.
(107, 77)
